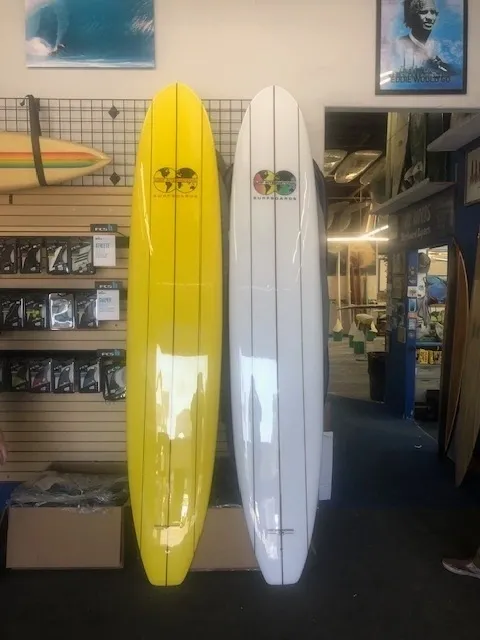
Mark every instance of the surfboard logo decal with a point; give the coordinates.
(280, 184)
(170, 182)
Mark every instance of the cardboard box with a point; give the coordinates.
(225, 544)
(67, 538)
(55, 538)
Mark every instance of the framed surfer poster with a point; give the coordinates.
(421, 47)
(90, 33)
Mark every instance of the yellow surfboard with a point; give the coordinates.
(174, 332)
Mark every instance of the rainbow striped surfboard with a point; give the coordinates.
(62, 161)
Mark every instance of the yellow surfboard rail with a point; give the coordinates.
(174, 332)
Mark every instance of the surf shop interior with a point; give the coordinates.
(402, 221)
(401, 237)
(402, 224)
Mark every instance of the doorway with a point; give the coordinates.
(432, 300)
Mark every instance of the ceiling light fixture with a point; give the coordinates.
(375, 231)
(365, 238)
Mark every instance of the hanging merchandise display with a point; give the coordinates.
(276, 334)
(64, 373)
(54, 256)
(175, 281)
(42, 230)
(38, 310)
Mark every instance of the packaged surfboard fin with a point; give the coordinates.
(58, 262)
(12, 311)
(114, 383)
(81, 255)
(19, 375)
(88, 375)
(63, 376)
(8, 255)
(35, 311)
(61, 311)
(41, 375)
(86, 310)
(30, 255)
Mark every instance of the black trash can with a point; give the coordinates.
(376, 372)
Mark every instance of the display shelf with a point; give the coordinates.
(457, 137)
(419, 192)
(41, 429)
(52, 427)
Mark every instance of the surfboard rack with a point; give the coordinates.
(109, 125)
(35, 134)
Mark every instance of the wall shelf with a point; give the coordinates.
(419, 192)
(457, 137)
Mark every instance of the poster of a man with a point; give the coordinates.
(421, 46)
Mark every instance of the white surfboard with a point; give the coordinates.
(276, 333)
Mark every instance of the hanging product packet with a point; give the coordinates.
(58, 256)
(81, 256)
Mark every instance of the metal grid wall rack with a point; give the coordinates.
(114, 126)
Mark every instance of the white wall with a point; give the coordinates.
(323, 51)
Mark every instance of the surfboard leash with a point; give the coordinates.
(35, 134)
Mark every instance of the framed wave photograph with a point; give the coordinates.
(421, 47)
(90, 33)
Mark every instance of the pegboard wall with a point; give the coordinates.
(114, 127)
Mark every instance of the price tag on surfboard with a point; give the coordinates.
(108, 304)
(104, 251)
